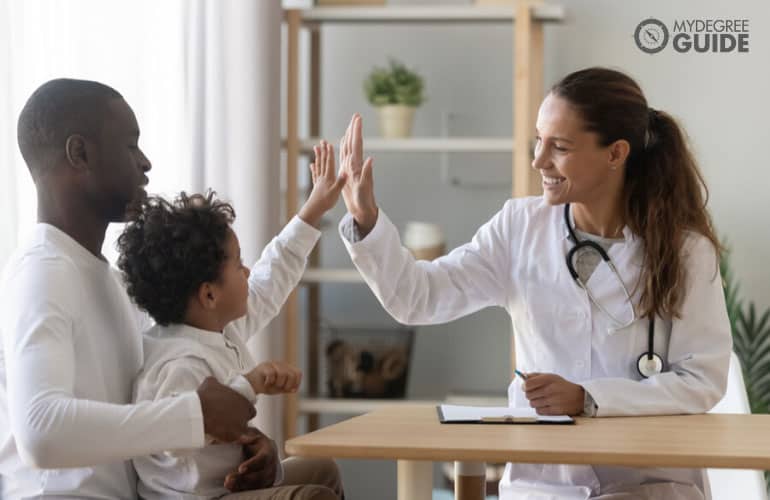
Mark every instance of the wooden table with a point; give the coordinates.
(414, 437)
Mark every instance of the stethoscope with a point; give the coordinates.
(649, 363)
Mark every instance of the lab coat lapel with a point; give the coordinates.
(578, 295)
(606, 287)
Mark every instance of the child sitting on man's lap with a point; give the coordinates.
(182, 264)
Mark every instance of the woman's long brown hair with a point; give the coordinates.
(664, 193)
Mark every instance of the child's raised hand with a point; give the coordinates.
(326, 185)
(274, 377)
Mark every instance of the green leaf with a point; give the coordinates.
(394, 85)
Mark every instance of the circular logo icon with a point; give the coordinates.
(651, 36)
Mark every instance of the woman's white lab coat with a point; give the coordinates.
(517, 261)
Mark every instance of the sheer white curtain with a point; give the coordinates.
(8, 200)
(233, 67)
(203, 79)
(136, 47)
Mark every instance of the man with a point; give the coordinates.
(71, 337)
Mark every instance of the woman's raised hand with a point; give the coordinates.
(358, 191)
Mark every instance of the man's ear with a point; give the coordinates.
(207, 296)
(75, 150)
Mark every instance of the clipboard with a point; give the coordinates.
(455, 414)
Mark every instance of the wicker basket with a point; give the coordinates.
(366, 362)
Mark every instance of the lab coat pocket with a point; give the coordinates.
(558, 335)
(626, 344)
(551, 316)
(631, 342)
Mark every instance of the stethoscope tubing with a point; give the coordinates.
(649, 363)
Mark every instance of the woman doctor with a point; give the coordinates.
(611, 278)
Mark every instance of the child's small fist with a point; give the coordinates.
(274, 377)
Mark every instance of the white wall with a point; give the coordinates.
(721, 99)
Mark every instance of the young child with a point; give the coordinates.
(182, 264)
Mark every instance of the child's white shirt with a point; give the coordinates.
(179, 357)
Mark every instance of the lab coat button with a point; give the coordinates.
(580, 364)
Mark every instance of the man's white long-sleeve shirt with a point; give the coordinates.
(71, 347)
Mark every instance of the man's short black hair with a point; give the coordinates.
(169, 249)
(56, 110)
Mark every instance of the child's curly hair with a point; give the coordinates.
(169, 249)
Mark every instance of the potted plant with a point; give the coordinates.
(396, 92)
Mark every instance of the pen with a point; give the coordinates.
(517, 372)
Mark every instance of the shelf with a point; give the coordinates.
(332, 276)
(352, 406)
(424, 145)
(428, 14)
(343, 406)
(476, 400)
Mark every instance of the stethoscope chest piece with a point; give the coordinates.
(649, 364)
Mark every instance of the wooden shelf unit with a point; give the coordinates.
(527, 18)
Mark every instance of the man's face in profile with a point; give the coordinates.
(118, 169)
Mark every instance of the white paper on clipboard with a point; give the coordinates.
(456, 414)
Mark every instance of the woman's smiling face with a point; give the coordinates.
(574, 166)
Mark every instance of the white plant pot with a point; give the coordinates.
(396, 120)
(424, 240)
